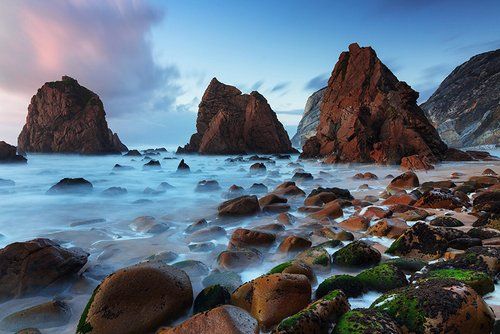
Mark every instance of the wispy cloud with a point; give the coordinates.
(280, 87)
(257, 85)
(317, 82)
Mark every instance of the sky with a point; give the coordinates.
(150, 61)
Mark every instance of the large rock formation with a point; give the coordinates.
(68, 118)
(8, 154)
(466, 106)
(368, 115)
(230, 122)
(310, 119)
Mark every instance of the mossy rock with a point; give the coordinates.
(407, 265)
(479, 258)
(280, 267)
(317, 317)
(363, 321)
(316, 258)
(356, 254)
(437, 306)
(350, 285)
(479, 281)
(330, 244)
(228, 279)
(383, 278)
(445, 221)
(211, 297)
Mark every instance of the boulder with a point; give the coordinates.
(137, 299)
(368, 115)
(439, 199)
(230, 122)
(239, 206)
(480, 281)
(71, 186)
(351, 286)
(183, 167)
(271, 298)
(383, 278)
(207, 186)
(225, 319)
(317, 258)
(8, 154)
(27, 267)
(238, 260)
(416, 162)
(65, 117)
(294, 267)
(288, 188)
(437, 306)
(407, 180)
(46, 315)
(245, 238)
(356, 254)
(211, 297)
(293, 243)
(388, 227)
(363, 321)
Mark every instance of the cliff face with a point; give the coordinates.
(368, 115)
(466, 106)
(310, 119)
(8, 154)
(68, 118)
(230, 122)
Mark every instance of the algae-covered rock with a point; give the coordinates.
(350, 285)
(478, 280)
(316, 257)
(437, 306)
(363, 321)
(294, 267)
(445, 221)
(211, 297)
(318, 317)
(480, 258)
(383, 278)
(357, 253)
(408, 265)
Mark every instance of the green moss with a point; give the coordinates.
(280, 267)
(478, 280)
(357, 253)
(322, 260)
(383, 278)
(395, 246)
(83, 326)
(406, 310)
(349, 324)
(350, 285)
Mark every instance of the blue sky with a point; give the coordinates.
(151, 61)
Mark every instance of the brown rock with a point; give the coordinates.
(407, 180)
(8, 154)
(239, 206)
(390, 228)
(406, 199)
(238, 260)
(330, 210)
(225, 319)
(293, 244)
(376, 212)
(66, 117)
(271, 298)
(368, 115)
(416, 162)
(320, 199)
(286, 218)
(244, 238)
(355, 223)
(26, 267)
(289, 189)
(137, 299)
(230, 122)
(438, 199)
(271, 199)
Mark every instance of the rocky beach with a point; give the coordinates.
(380, 214)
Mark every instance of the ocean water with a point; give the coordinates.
(101, 225)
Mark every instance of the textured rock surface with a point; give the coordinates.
(230, 122)
(368, 115)
(66, 117)
(8, 154)
(466, 106)
(310, 119)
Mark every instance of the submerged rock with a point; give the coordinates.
(137, 299)
(46, 315)
(27, 267)
(71, 186)
(67, 118)
(239, 206)
(211, 297)
(230, 122)
(8, 154)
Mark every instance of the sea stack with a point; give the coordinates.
(310, 119)
(466, 106)
(65, 117)
(368, 115)
(230, 122)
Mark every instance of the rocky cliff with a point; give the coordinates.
(368, 115)
(8, 154)
(310, 119)
(466, 106)
(68, 118)
(230, 122)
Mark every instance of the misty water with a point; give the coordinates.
(101, 225)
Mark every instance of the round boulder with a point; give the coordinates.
(383, 278)
(363, 321)
(357, 254)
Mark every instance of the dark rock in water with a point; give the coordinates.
(238, 260)
(446, 222)
(152, 164)
(228, 279)
(368, 115)
(364, 320)
(46, 315)
(356, 254)
(207, 185)
(211, 297)
(301, 177)
(7, 183)
(258, 188)
(310, 119)
(340, 193)
(350, 285)
(114, 191)
(87, 222)
(245, 238)
(239, 206)
(258, 168)
(164, 186)
(8, 154)
(68, 118)
(202, 247)
(230, 122)
(200, 224)
(71, 186)
(383, 278)
(133, 153)
(183, 167)
(466, 106)
(192, 267)
(164, 257)
(119, 167)
(148, 224)
(27, 267)
(137, 299)
(29, 331)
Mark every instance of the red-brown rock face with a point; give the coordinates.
(230, 122)
(368, 115)
(66, 117)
